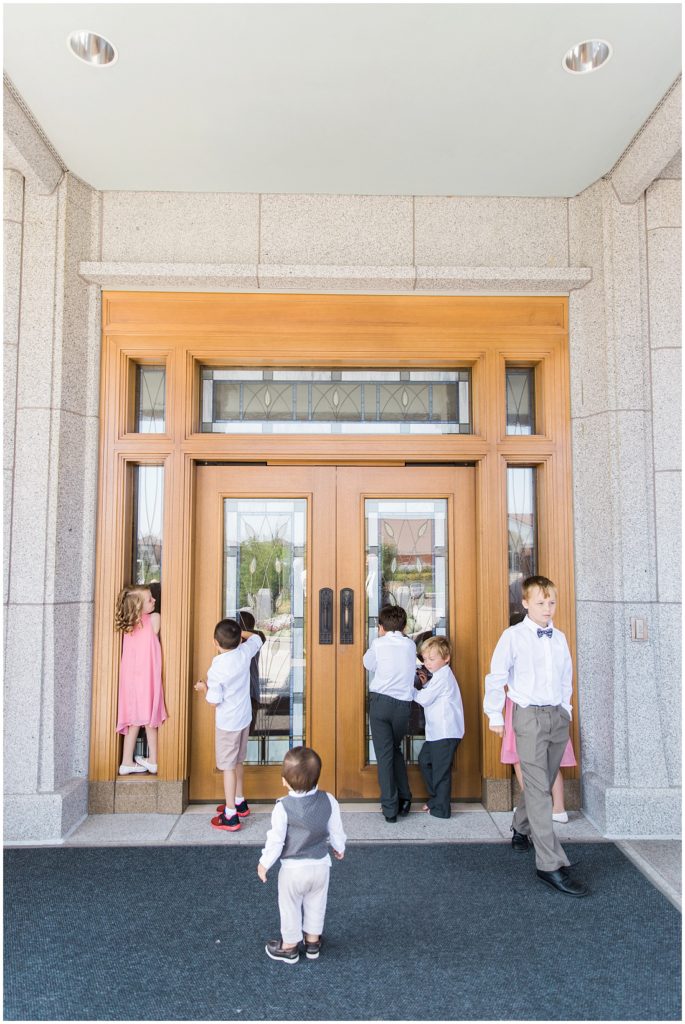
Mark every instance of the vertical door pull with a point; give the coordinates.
(346, 616)
(325, 615)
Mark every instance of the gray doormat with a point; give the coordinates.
(416, 932)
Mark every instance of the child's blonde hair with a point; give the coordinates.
(537, 583)
(129, 608)
(437, 643)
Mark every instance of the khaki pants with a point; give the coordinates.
(541, 738)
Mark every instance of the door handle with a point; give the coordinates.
(325, 615)
(346, 616)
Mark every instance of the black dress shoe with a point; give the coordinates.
(562, 881)
(391, 818)
(519, 841)
(403, 809)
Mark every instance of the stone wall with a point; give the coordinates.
(52, 345)
(624, 340)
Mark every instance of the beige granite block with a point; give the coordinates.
(653, 148)
(207, 277)
(674, 167)
(667, 408)
(23, 698)
(24, 149)
(32, 491)
(669, 519)
(496, 794)
(180, 227)
(13, 195)
(665, 284)
(475, 231)
(330, 278)
(664, 205)
(9, 403)
(101, 797)
(373, 231)
(172, 796)
(505, 280)
(135, 795)
(12, 241)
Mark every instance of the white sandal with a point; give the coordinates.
(131, 769)
(145, 765)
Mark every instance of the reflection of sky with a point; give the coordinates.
(150, 500)
(520, 491)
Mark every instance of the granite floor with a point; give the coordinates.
(659, 860)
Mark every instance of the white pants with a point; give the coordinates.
(302, 898)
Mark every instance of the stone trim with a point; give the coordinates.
(270, 277)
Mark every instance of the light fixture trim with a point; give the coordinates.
(597, 60)
(92, 48)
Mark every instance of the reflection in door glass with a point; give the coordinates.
(406, 564)
(265, 573)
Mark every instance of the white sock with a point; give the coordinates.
(239, 799)
(229, 812)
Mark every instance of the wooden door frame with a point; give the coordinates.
(182, 331)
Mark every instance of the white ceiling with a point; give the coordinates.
(375, 99)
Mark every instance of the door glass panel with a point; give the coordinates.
(265, 571)
(406, 564)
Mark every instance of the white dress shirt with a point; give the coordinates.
(440, 699)
(536, 670)
(228, 685)
(275, 837)
(392, 659)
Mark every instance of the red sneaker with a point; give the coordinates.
(231, 824)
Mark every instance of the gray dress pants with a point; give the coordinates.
(541, 738)
(389, 718)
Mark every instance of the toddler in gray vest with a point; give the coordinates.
(303, 825)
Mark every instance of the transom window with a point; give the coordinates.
(328, 401)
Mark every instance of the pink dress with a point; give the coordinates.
(141, 700)
(508, 754)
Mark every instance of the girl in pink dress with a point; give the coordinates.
(141, 700)
(508, 755)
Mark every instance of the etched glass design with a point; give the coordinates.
(148, 510)
(522, 519)
(407, 565)
(150, 399)
(336, 401)
(520, 400)
(265, 573)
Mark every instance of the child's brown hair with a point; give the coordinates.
(227, 634)
(301, 769)
(392, 617)
(128, 610)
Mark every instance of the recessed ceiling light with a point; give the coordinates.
(92, 48)
(587, 56)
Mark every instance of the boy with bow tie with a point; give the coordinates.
(533, 661)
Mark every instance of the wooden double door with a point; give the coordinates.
(313, 552)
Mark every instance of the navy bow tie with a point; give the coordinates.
(546, 632)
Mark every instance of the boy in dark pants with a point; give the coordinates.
(392, 659)
(441, 701)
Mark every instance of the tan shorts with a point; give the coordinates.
(231, 747)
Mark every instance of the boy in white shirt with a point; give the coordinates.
(392, 659)
(303, 825)
(533, 661)
(440, 698)
(228, 687)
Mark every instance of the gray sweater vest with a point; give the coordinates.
(308, 818)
